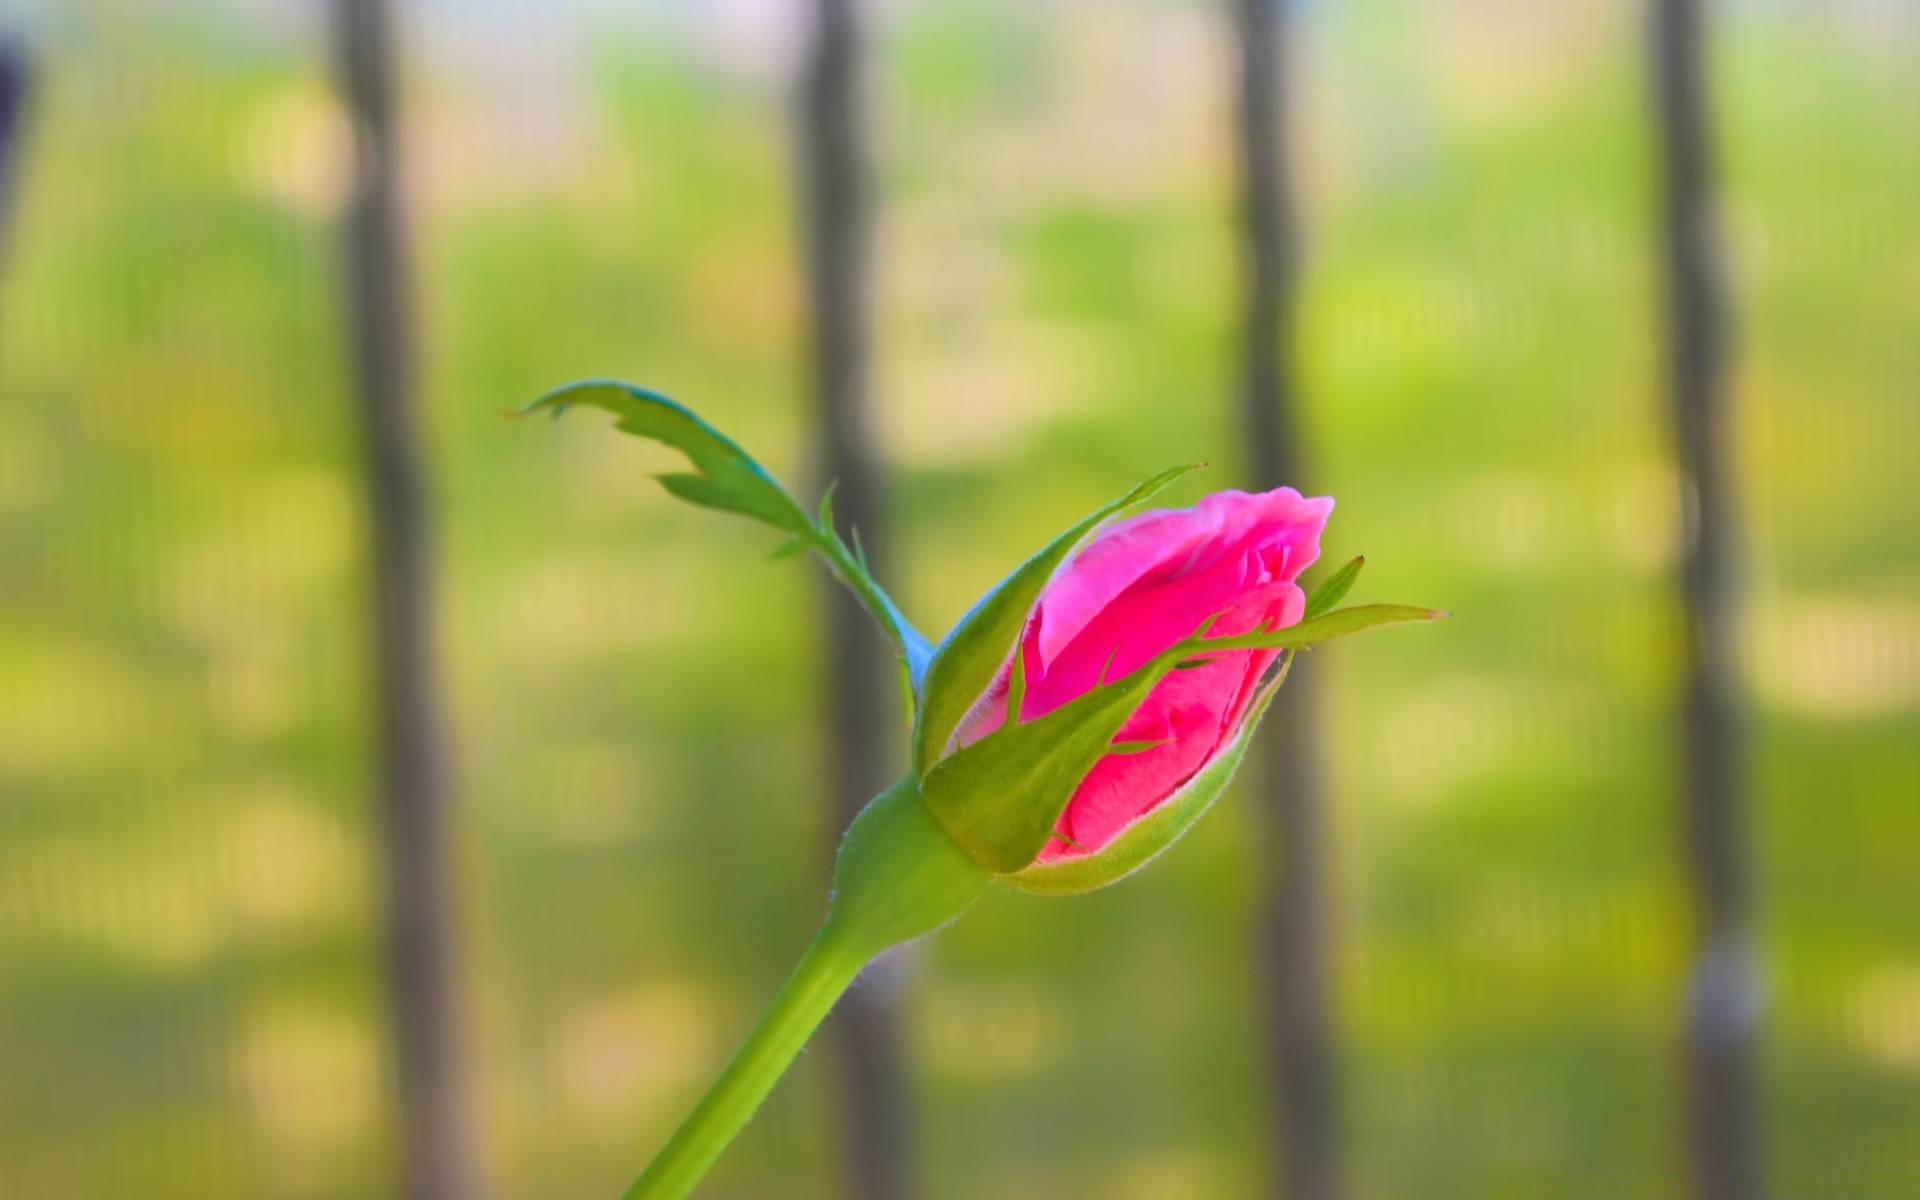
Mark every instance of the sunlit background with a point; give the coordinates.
(192, 989)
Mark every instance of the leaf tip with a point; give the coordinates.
(554, 399)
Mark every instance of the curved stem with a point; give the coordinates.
(898, 878)
(825, 972)
(914, 649)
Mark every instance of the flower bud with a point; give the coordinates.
(1093, 706)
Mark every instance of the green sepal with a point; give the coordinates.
(1000, 798)
(825, 519)
(1326, 627)
(1141, 841)
(730, 480)
(898, 876)
(1333, 589)
(966, 661)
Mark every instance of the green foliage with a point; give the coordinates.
(730, 480)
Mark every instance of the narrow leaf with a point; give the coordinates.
(727, 477)
(825, 521)
(1338, 623)
(1016, 685)
(1333, 588)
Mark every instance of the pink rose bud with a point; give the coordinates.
(1143, 585)
(1114, 643)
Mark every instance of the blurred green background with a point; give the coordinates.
(191, 999)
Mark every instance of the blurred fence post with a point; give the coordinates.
(436, 1142)
(1724, 999)
(13, 103)
(1294, 948)
(862, 711)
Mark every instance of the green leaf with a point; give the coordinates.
(967, 660)
(1333, 589)
(727, 478)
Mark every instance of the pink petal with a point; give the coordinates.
(1201, 707)
(1166, 541)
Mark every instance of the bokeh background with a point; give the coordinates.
(192, 988)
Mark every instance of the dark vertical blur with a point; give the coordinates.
(1724, 999)
(1294, 945)
(436, 1145)
(13, 102)
(862, 713)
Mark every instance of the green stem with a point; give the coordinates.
(825, 972)
(898, 877)
(912, 646)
